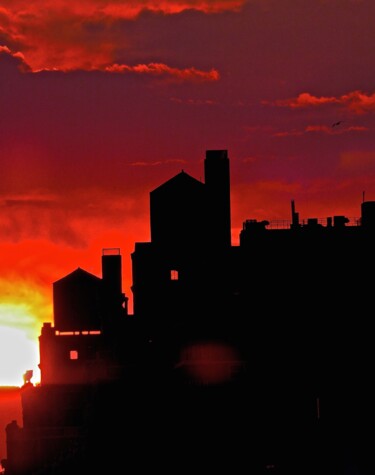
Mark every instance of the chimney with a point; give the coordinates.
(217, 181)
(295, 216)
(111, 270)
(368, 214)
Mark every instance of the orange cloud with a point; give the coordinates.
(356, 101)
(65, 35)
(115, 8)
(359, 102)
(159, 69)
(305, 99)
(153, 69)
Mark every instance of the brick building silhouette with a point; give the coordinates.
(253, 357)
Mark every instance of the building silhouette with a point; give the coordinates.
(252, 358)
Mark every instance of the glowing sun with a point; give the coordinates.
(19, 350)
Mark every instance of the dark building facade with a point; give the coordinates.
(251, 358)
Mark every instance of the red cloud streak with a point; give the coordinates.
(355, 101)
(158, 69)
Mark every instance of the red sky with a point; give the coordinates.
(102, 101)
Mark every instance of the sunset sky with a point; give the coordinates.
(102, 101)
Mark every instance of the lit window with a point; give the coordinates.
(73, 354)
(174, 274)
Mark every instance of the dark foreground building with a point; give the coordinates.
(256, 358)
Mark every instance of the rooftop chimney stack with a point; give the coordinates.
(368, 214)
(217, 181)
(295, 216)
(111, 270)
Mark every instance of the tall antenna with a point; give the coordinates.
(295, 216)
(363, 196)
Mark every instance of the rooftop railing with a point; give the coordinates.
(287, 223)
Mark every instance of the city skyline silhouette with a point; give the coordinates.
(125, 255)
(253, 356)
(101, 103)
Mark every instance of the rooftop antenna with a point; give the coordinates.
(363, 196)
(295, 216)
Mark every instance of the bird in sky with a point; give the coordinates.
(335, 124)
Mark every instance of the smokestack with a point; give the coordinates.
(368, 214)
(217, 181)
(295, 216)
(111, 270)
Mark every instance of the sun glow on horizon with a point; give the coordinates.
(18, 354)
(20, 325)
